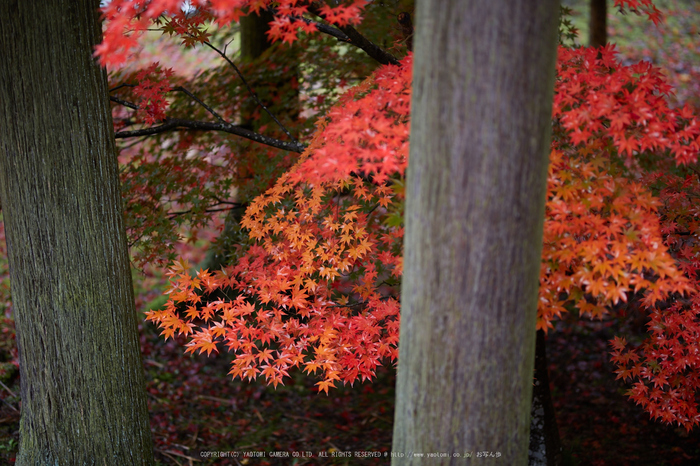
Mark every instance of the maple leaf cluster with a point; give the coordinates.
(608, 238)
(153, 84)
(664, 368)
(602, 238)
(644, 6)
(318, 290)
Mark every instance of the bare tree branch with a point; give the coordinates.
(211, 209)
(351, 36)
(172, 124)
(120, 86)
(177, 88)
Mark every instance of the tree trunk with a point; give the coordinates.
(82, 382)
(545, 446)
(599, 23)
(254, 38)
(480, 133)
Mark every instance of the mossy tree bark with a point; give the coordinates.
(82, 381)
(480, 133)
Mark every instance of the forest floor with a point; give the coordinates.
(199, 415)
(598, 424)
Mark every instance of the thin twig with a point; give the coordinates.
(7, 389)
(164, 453)
(11, 407)
(177, 88)
(12, 394)
(172, 215)
(123, 102)
(122, 85)
(193, 97)
(252, 92)
(132, 144)
(175, 453)
(236, 205)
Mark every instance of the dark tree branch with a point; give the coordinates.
(171, 124)
(209, 209)
(370, 48)
(120, 86)
(360, 41)
(326, 29)
(234, 205)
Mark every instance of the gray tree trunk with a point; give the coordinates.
(82, 382)
(480, 133)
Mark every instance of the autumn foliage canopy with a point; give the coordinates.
(314, 281)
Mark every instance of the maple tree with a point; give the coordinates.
(314, 282)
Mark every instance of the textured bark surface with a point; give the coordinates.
(480, 133)
(598, 24)
(83, 391)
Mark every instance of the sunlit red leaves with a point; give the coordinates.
(666, 367)
(598, 99)
(127, 19)
(369, 134)
(601, 240)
